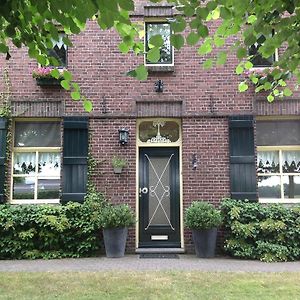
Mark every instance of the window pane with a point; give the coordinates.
(48, 189)
(291, 185)
(278, 133)
(291, 161)
(49, 164)
(23, 187)
(24, 163)
(268, 162)
(258, 60)
(37, 134)
(159, 131)
(59, 51)
(163, 29)
(269, 187)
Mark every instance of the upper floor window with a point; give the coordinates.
(59, 51)
(257, 59)
(278, 161)
(166, 51)
(36, 162)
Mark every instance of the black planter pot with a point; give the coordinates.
(205, 242)
(48, 81)
(115, 241)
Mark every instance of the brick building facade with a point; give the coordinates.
(214, 156)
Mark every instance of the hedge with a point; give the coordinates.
(265, 232)
(51, 231)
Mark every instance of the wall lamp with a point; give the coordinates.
(123, 136)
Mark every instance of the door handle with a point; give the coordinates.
(143, 190)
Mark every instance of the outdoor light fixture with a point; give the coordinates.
(159, 86)
(123, 136)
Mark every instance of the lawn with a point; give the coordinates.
(149, 285)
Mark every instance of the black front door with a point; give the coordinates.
(159, 197)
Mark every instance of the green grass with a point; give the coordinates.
(149, 285)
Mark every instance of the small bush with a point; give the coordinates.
(202, 215)
(117, 216)
(265, 232)
(51, 231)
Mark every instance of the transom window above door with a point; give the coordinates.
(36, 162)
(159, 131)
(278, 161)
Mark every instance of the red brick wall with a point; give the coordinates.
(207, 97)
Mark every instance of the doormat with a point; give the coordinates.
(159, 255)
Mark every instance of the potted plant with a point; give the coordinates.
(115, 221)
(44, 78)
(118, 164)
(203, 219)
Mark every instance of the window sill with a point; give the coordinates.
(281, 201)
(160, 68)
(44, 201)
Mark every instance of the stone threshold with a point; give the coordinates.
(159, 250)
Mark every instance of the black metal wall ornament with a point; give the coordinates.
(159, 86)
(194, 161)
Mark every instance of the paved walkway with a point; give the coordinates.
(133, 262)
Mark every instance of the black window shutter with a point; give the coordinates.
(75, 154)
(3, 133)
(242, 158)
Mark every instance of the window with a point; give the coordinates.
(166, 51)
(278, 161)
(59, 51)
(257, 59)
(36, 162)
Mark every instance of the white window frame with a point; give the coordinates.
(36, 175)
(280, 174)
(147, 64)
(276, 56)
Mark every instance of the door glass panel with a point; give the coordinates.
(159, 131)
(159, 190)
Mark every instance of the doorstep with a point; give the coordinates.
(159, 250)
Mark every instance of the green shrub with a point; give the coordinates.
(50, 231)
(202, 215)
(265, 232)
(115, 216)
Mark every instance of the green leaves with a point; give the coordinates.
(268, 233)
(3, 48)
(192, 38)
(156, 41)
(205, 48)
(241, 52)
(140, 73)
(243, 86)
(177, 41)
(153, 55)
